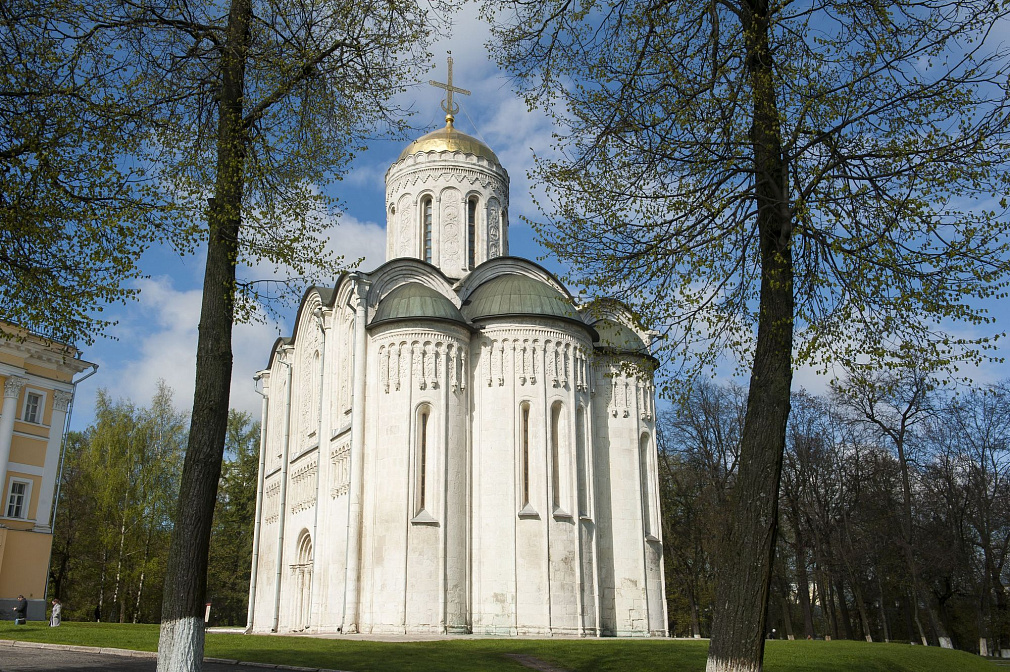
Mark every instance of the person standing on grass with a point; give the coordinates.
(56, 618)
(21, 611)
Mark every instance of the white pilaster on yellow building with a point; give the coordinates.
(38, 384)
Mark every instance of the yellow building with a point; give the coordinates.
(38, 385)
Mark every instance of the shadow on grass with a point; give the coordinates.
(479, 655)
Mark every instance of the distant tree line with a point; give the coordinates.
(894, 511)
(117, 494)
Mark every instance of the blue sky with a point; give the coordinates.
(157, 334)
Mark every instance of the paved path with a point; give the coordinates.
(29, 657)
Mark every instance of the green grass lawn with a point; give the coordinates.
(462, 655)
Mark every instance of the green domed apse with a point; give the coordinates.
(618, 337)
(415, 301)
(508, 295)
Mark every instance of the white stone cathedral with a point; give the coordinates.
(451, 444)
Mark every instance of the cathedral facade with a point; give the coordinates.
(451, 443)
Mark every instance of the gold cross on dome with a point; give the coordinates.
(447, 104)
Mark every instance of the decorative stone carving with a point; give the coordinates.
(450, 234)
(535, 364)
(340, 470)
(415, 365)
(13, 386)
(493, 235)
(61, 400)
(452, 362)
(271, 505)
(344, 355)
(523, 352)
(497, 354)
(406, 227)
(486, 357)
(303, 487)
(430, 366)
(390, 232)
(384, 368)
(398, 365)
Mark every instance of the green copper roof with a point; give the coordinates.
(518, 295)
(617, 336)
(416, 301)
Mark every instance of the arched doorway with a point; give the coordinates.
(302, 571)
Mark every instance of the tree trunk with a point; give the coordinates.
(695, 624)
(119, 568)
(843, 607)
(828, 603)
(745, 574)
(143, 573)
(803, 589)
(864, 615)
(101, 583)
(918, 592)
(787, 617)
(180, 647)
(918, 623)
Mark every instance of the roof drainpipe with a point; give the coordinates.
(318, 314)
(352, 562)
(284, 491)
(59, 475)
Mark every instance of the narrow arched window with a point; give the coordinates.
(426, 228)
(317, 383)
(555, 455)
(471, 230)
(421, 467)
(643, 459)
(580, 455)
(524, 412)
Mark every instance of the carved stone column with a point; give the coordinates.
(12, 390)
(61, 402)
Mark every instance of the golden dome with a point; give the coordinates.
(451, 140)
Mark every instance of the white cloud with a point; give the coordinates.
(158, 333)
(159, 342)
(354, 239)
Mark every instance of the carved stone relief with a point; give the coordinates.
(406, 227)
(428, 363)
(451, 229)
(340, 468)
(493, 237)
(303, 487)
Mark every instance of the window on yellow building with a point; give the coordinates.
(17, 500)
(33, 408)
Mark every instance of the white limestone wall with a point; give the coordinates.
(266, 569)
(495, 488)
(331, 542)
(632, 600)
(407, 579)
(585, 557)
(265, 601)
(623, 599)
(456, 474)
(451, 179)
(330, 539)
(525, 551)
